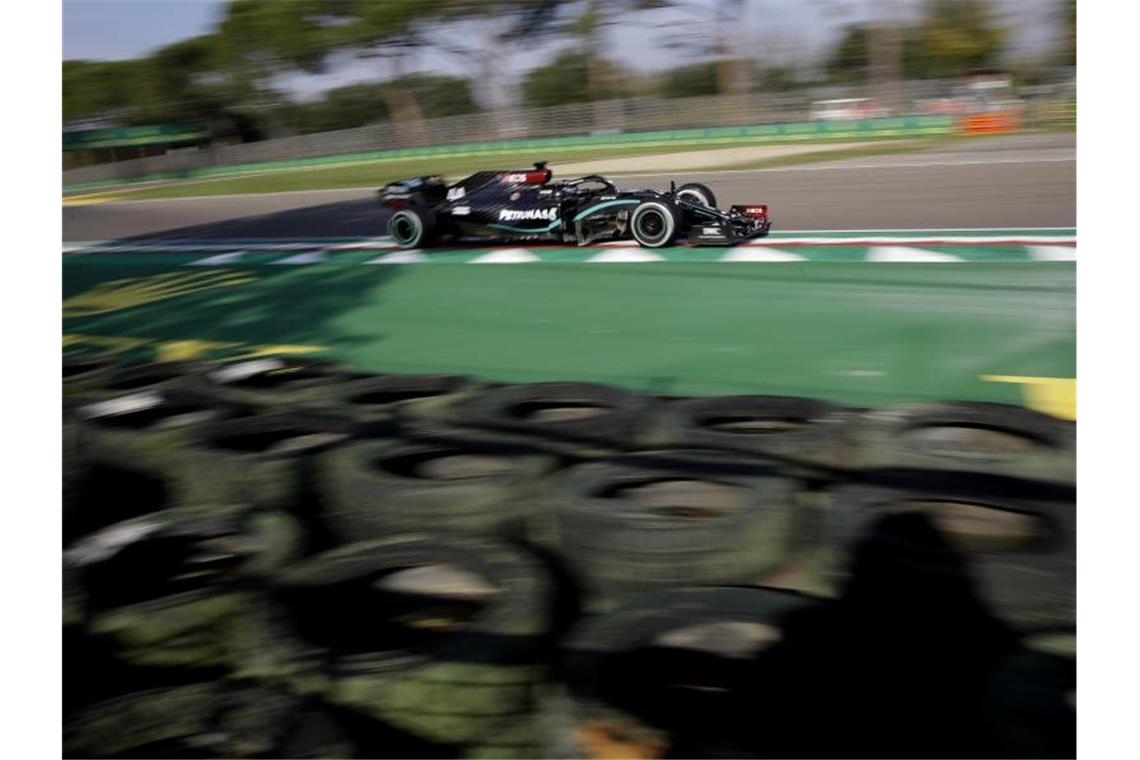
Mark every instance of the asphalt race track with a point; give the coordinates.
(1011, 182)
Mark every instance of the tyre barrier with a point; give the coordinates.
(388, 563)
(796, 430)
(169, 589)
(455, 651)
(270, 382)
(1016, 550)
(384, 404)
(81, 372)
(653, 520)
(586, 414)
(465, 482)
(676, 670)
(967, 437)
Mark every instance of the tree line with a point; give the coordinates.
(234, 79)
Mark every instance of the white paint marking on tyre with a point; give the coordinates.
(310, 257)
(220, 260)
(752, 254)
(629, 255)
(410, 256)
(1052, 253)
(884, 253)
(506, 256)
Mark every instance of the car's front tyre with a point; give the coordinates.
(653, 224)
(412, 227)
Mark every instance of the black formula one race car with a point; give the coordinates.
(525, 205)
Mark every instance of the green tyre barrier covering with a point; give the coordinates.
(1016, 542)
(170, 590)
(466, 483)
(460, 664)
(653, 520)
(796, 430)
(264, 460)
(678, 663)
(270, 382)
(967, 437)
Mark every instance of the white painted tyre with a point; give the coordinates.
(653, 224)
(407, 228)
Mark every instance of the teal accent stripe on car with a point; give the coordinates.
(600, 206)
(550, 227)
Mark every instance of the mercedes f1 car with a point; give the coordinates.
(526, 205)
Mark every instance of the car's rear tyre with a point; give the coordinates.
(412, 227)
(654, 224)
(695, 191)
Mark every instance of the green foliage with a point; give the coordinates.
(356, 105)
(566, 79)
(953, 38)
(692, 81)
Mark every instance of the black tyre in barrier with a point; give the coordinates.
(208, 719)
(264, 460)
(151, 376)
(272, 381)
(170, 589)
(1018, 544)
(587, 413)
(679, 667)
(379, 404)
(466, 483)
(441, 636)
(963, 436)
(648, 521)
(126, 455)
(799, 430)
(81, 372)
(1029, 705)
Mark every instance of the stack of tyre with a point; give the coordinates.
(278, 557)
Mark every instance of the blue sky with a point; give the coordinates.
(117, 29)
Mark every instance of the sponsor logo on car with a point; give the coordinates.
(456, 193)
(461, 211)
(519, 178)
(513, 215)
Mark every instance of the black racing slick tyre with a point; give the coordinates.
(412, 227)
(466, 483)
(654, 223)
(1014, 549)
(654, 520)
(974, 437)
(452, 647)
(698, 193)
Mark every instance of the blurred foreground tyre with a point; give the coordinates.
(971, 437)
(209, 719)
(264, 460)
(378, 404)
(443, 637)
(151, 376)
(1018, 545)
(81, 372)
(680, 667)
(585, 413)
(1029, 706)
(652, 520)
(170, 590)
(127, 456)
(465, 483)
(271, 381)
(799, 430)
